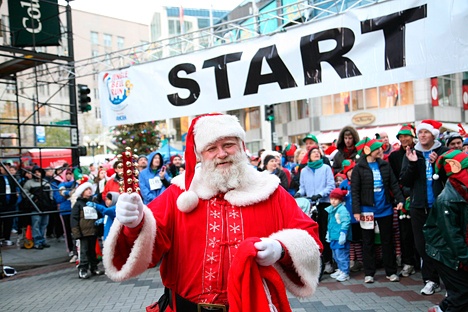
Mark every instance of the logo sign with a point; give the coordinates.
(34, 23)
(363, 119)
(40, 134)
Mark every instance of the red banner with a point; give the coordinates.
(434, 92)
(465, 94)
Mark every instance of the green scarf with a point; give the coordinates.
(315, 164)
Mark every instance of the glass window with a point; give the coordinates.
(357, 100)
(120, 43)
(303, 109)
(107, 40)
(94, 38)
(446, 87)
(372, 100)
(252, 118)
(327, 105)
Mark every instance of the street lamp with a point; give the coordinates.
(91, 144)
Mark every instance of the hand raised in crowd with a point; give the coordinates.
(433, 157)
(162, 172)
(411, 155)
(129, 209)
(399, 206)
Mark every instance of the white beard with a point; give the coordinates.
(223, 180)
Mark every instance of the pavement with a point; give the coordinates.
(46, 281)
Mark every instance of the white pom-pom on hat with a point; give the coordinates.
(435, 176)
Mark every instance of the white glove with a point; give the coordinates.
(269, 251)
(129, 209)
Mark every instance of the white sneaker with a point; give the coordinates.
(336, 274)
(328, 268)
(407, 270)
(430, 288)
(342, 277)
(368, 279)
(393, 278)
(8, 242)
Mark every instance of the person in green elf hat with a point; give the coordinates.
(406, 136)
(446, 231)
(374, 192)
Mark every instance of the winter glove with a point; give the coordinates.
(129, 209)
(98, 222)
(91, 204)
(297, 195)
(327, 237)
(342, 239)
(269, 251)
(316, 197)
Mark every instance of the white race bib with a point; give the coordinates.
(367, 220)
(155, 183)
(90, 213)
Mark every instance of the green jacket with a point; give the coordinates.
(446, 228)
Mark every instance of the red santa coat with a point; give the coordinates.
(198, 247)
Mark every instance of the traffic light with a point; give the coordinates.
(279, 149)
(269, 113)
(83, 98)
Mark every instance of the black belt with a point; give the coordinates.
(185, 305)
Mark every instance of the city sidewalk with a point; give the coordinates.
(46, 281)
(25, 259)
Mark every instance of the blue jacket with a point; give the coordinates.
(317, 182)
(62, 197)
(148, 174)
(339, 220)
(107, 212)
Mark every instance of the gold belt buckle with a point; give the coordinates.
(211, 306)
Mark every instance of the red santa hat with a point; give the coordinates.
(83, 185)
(331, 151)
(338, 194)
(431, 126)
(204, 130)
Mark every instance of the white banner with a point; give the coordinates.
(390, 42)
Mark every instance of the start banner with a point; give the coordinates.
(390, 42)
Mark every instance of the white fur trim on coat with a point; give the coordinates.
(305, 255)
(256, 187)
(141, 254)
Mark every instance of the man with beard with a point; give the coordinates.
(202, 225)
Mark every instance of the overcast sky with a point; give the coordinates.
(142, 10)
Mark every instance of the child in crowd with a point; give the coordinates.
(339, 234)
(83, 228)
(108, 212)
(339, 178)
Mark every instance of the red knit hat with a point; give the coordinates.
(204, 129)
(453, 161)
(338, 194)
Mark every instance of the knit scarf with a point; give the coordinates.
(315, 164)
(347, 152)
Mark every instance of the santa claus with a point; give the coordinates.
(197, 225)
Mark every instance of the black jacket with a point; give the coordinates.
(362, 184)
(413, 175)
(395, 159)
(13, 192)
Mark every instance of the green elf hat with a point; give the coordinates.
(453, 161)
(310, 136)
(407, 129)
(347, 165)
(290, 149)
(360, 145)
(371, 146)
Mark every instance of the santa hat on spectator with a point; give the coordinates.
(290, 150)
(83, 185)
(204, 130)
(347, 165)
(406, 129)
(431, 126)
(360, 145)
(338, 194)
(331, 152)
(340, 175)
(453, 161)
